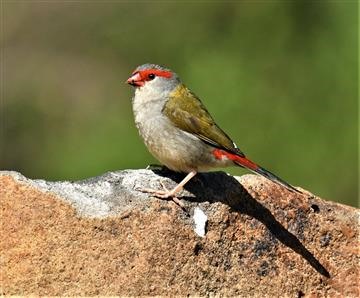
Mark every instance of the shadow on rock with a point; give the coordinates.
(220, 187)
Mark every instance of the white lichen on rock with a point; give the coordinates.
(200, 220)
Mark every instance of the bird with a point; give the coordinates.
(179, 131)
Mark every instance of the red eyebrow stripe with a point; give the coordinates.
(160, 73)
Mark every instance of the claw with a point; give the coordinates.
(164, 187)
(163, 194)
(170, 193)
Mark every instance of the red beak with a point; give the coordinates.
(135, 80)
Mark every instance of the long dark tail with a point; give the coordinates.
(244, 162)
(275, 179)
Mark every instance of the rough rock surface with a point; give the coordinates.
(102, 236)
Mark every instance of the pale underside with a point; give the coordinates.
(175, 148)
(178, 150)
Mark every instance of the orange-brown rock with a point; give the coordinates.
(103, 237)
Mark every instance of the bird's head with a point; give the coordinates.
(152, 76)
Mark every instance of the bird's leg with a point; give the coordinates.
(164, 194)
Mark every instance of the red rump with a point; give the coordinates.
(242, 161)
(144, 74)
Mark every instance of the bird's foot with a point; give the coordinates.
(165, 194)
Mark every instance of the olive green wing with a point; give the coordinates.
(188, 113)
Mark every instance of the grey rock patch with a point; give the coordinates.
(106, 195)
(102, 196)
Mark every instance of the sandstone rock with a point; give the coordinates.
(102, 236)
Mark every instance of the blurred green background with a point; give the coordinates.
(279, 76)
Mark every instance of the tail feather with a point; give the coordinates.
(244, 162)
(274, 178)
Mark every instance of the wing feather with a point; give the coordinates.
(190, 115)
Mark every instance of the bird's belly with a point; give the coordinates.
(175, 148)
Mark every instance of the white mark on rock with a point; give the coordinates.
(200, 220)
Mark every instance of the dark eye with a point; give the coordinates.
(151, 76)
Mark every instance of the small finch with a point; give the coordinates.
(179, 131)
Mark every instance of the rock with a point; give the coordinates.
(102, 236)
